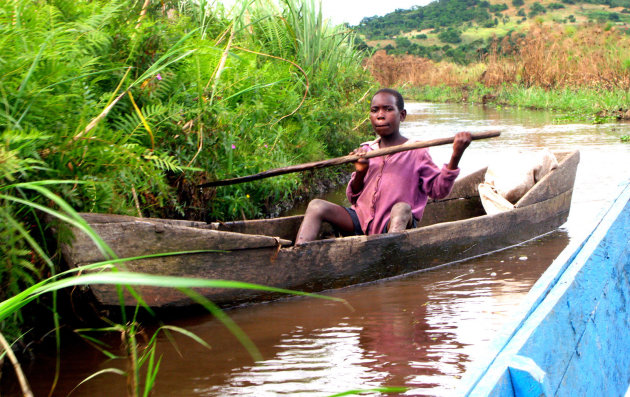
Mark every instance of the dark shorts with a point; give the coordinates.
(357, 225)
(355, 221)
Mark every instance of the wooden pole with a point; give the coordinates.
(351, 158)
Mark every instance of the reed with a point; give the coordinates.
(391, 70)
(181, 95)
(564, 57)
(125, 107)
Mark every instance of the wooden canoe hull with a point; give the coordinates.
(453, 229)
(571, 336)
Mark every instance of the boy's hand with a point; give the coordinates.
(461, 142)
(361, 165)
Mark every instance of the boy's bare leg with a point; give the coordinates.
(319, 211)
(400, 218)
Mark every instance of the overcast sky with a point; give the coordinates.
(353, 11)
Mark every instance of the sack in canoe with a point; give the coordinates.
(504, 184)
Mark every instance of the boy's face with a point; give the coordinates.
(385, 115)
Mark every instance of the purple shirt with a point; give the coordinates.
(409, 177)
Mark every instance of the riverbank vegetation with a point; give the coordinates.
(125, 107)
(570, 56)
(583, 74)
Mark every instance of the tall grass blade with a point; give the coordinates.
(227, 322)
(374, 390)
(31, 69)
(99, 373)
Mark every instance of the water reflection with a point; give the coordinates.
(420, 331)
(309, 362)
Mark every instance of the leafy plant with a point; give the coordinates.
(124, 106)
(108, 272)
(111, 111)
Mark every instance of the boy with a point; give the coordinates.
(388, 194)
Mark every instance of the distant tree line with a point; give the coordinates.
(462, 54)
(455, 13)
(441, 13)
(446, 19)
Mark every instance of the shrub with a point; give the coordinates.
(450, 36)
(138, 106)
(536, 9)
(555, 6)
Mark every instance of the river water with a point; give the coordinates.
(421, 331)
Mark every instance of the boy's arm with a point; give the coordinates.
(355, 187)
(438, 183)
(461, 142)
(360, 170)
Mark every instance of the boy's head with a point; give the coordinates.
(387, 110)
(400, 102)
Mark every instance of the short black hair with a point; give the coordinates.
(400, 102)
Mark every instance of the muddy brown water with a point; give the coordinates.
(421, 330)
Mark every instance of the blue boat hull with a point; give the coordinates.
(573, 335)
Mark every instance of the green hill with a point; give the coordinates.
(461, 30)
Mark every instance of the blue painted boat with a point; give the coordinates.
(572, 337)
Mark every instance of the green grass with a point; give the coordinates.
(119, 113)
(141, 356)
(583, 104)
(138, 114)
(477, 32)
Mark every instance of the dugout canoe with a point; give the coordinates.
(571, 337)
(261, 251)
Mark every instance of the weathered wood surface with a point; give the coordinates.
(466, 186)
(351, 158)
(285, 227)
(571, 335)
(458, 231)
(327, 264)
(137, 236)
(463, 202)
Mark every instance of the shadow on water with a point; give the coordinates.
(421, 331)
